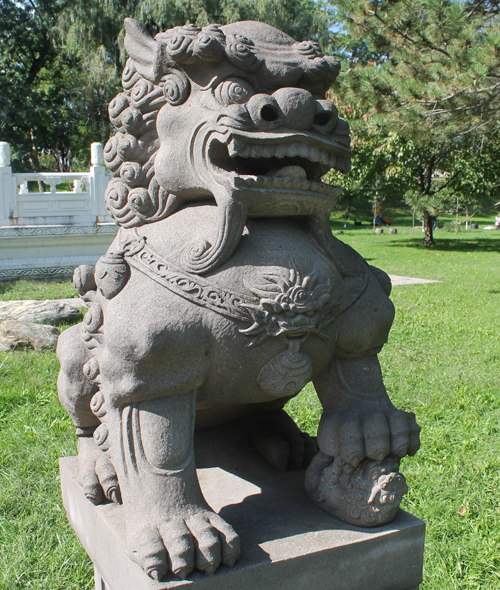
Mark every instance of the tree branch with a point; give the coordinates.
(407, 37)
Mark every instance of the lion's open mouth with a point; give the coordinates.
(277, 161)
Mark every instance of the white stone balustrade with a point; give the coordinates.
(47, 233)
(75, 198)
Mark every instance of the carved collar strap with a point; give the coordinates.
(189, 286)
(233, 305)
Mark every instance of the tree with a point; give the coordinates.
(371, 176)
(424, 75)
(61, 62)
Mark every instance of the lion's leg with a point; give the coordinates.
(360, 426)
(96, 473)
(359, 420)
(169, 524)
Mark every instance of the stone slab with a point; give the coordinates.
(287, 541)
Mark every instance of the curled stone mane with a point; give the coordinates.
(134, 196)
(154, 76)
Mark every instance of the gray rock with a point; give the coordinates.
(379, 230)
(225, 292)
(14, 334)
(52, 312)
(393, 230)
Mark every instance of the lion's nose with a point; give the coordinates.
(294, 108)
(297, 107)
(264, 111)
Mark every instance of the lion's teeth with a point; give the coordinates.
(239, 147)
(280, 150)
(268, 151)
(324, 158)
(256, 151)
(303, 150)
(246, 150)
(314, 154)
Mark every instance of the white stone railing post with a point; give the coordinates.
(98, 181)
(6, 185)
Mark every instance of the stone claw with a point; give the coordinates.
(154, 574)
(368, 433)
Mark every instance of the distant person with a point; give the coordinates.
(377, 209)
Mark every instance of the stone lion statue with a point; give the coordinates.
(225, 293)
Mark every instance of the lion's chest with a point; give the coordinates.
(258, 327)
(276, 284)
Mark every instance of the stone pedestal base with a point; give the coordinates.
(288, 543)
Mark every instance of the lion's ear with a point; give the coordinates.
(143, 49)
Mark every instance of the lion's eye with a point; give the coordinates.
(233, 90)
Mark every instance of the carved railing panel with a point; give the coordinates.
(69, 197)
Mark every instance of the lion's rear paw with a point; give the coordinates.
(281, 442)
(96, 473)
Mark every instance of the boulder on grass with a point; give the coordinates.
(14, 334)
(40, 312)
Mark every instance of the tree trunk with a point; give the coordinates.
(428, 238)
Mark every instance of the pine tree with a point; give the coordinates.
(426, 76)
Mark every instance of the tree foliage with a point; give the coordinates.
(61, 60)
(423, 82)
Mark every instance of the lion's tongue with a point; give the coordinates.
(288, 172)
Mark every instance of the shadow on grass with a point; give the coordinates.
(452, 245)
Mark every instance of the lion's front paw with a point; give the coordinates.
(199, 539)
(371, 431)
(368, 495)
(96, 473)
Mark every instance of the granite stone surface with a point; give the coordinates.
(287, 542)
(223, 294)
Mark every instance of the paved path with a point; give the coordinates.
(397, 280)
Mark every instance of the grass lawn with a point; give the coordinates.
(24, 289)
(442, 362)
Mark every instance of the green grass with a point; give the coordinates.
(25, 289)
(38, 549)
(442, 362)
